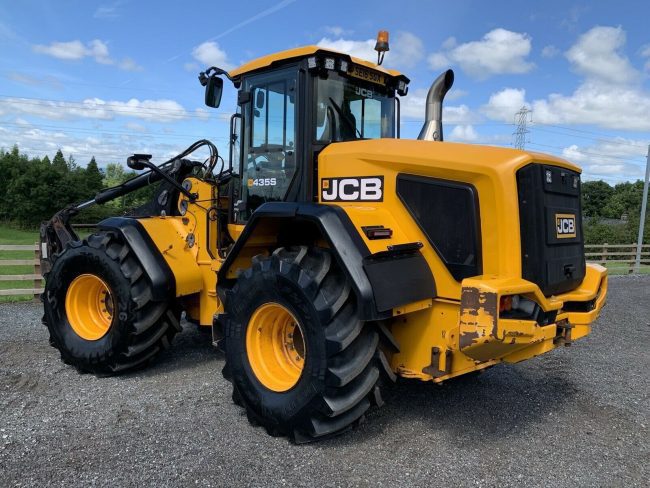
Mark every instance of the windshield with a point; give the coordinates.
(349, 109)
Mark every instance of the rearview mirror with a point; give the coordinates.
(213, 91)
(138, 161)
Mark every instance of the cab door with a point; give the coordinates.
(268, 158)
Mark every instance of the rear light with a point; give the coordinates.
(522, 308)
(505, 304)
(517, 304)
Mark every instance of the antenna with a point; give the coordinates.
(522, 118)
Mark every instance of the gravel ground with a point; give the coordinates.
(575, 417)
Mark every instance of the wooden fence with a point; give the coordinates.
(616, 256)
(34, 279)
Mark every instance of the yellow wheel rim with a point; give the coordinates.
(275, 347)
(89, 306)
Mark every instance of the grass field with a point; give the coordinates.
(10, 235)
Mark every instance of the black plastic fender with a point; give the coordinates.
(163, 283)
(377, 292)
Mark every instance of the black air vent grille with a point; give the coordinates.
(447, 212)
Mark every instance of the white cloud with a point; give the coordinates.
(500, 51)
(598, 56)
(550, 51)
(413, 107)
(608, 97)
(95, 108)
(455, 94)
(202, 113)
(645, 52)
(463, 133)
(41, 80)
(64, 50)
(438, 61)
(460, 114)
(127, 64)
(107, 148)
(210, 54)
(106, 143)
(406, 50)
(609, 160)
(619, 108)
(77, 50)
(336, 30)
(109, 12)
(504, 104)
(135, 127)
(358, 49)
(99, 50)
(449, 43)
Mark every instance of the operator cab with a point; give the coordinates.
(293, 104)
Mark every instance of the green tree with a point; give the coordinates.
(626, 199)
(12, 163)
(59, 163)
(114, 175)
(94, 177)
(71, 163)
(34, 193)
(595, 196)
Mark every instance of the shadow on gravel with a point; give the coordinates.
(497, 404)
(190, 349)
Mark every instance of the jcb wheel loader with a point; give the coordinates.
(329, 256)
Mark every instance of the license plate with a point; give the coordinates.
(368, 75)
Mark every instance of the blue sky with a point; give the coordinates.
(112, 78)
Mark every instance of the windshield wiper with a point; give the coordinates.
(346, 118)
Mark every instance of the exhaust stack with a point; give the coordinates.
(432, 128)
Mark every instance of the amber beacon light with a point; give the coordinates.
(381, 45)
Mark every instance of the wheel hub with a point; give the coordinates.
(89, 306)
(275, 347)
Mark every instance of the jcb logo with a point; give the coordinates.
(368, 189)
(364, 92)
(565, 226)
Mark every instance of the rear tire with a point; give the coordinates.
(342, 363)
(136, 328)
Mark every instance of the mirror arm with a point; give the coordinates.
(204, 76)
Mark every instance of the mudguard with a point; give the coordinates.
(377, 281)
(163, 284)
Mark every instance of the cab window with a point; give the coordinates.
(349, 109)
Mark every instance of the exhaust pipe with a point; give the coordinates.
(432, 128)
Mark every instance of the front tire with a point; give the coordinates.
(301, 362)
(99, 308)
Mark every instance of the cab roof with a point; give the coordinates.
(299, 52)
